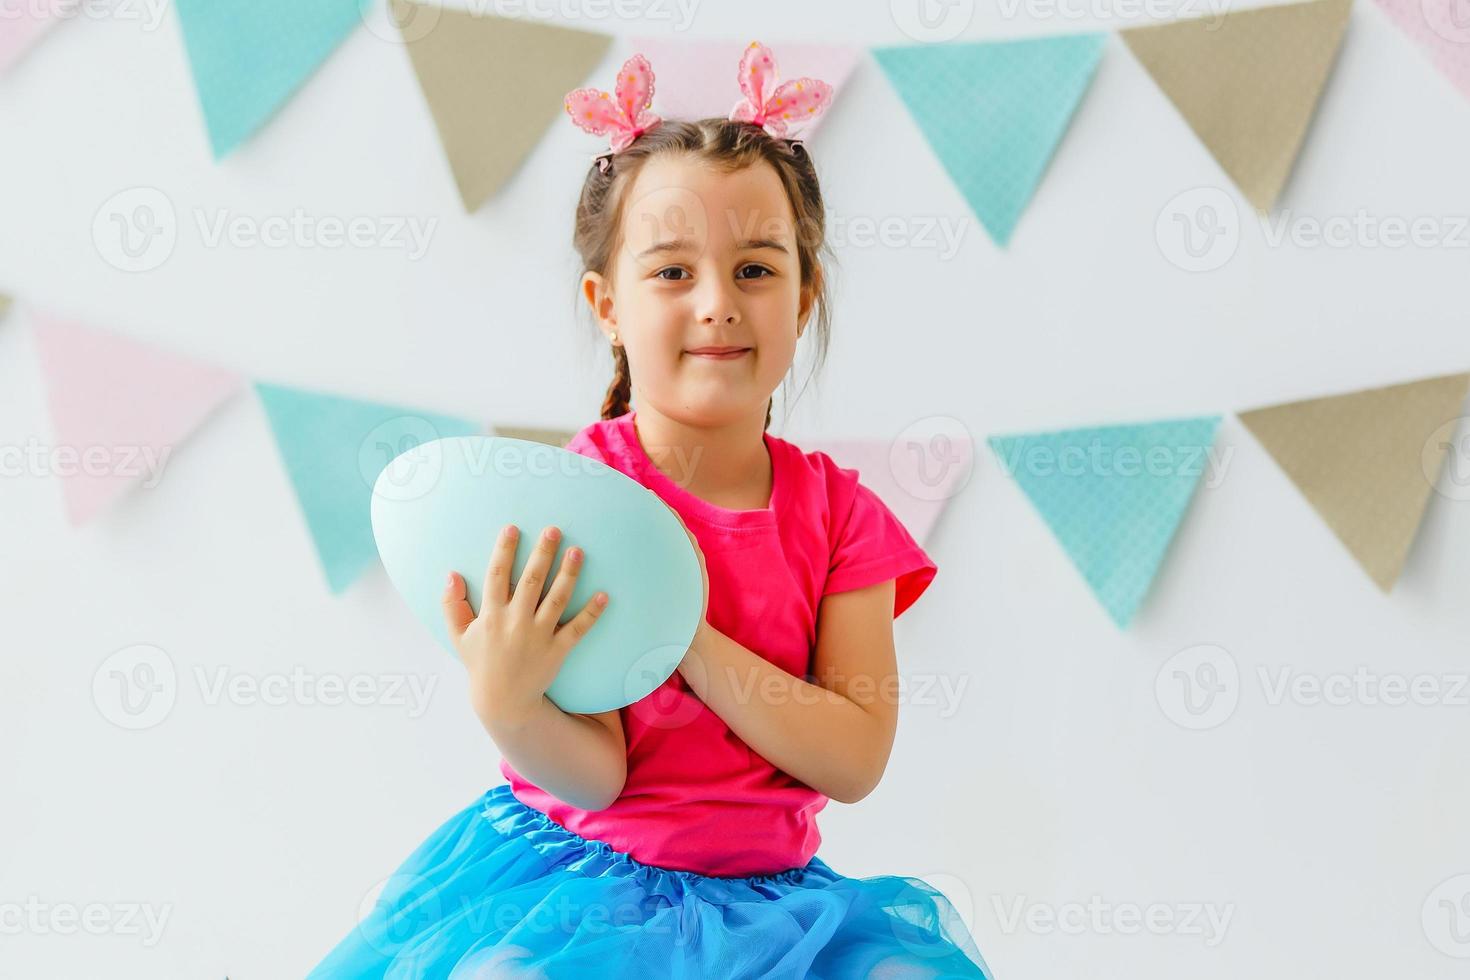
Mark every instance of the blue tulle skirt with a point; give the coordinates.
(502, 890)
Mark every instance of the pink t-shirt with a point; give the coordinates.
(697, 798)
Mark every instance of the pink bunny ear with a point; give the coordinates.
(771, 107)
(628, 116)
(757, 78)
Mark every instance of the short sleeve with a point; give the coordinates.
(870, 545)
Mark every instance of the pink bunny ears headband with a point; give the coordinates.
(627, 115)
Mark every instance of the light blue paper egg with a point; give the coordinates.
(438, 508)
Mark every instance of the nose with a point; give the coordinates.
(717, 304)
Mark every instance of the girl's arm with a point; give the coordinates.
(834, 735)
(579, 759)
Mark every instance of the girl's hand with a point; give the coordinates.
(514, 647)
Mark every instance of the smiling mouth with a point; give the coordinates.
(727, 355)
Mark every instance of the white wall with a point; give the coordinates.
(259, 829)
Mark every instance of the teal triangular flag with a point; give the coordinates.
(994, 111)
(334, 448)
(249, 56)
(1113, 496)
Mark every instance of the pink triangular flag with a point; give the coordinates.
(1442, 29)
(118, 408)
(698, 78)
(22, 22)
(915, 486)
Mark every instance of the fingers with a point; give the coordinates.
(457, 612)
(567, 637)
(497, 571)
(556, 601)
(533, 576)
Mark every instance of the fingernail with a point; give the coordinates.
(575, 554)
(602, 598)
(450, 579)
(552, 534)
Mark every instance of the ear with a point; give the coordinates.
(804, 311)
(597, 291)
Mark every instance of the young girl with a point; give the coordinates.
(677, 837)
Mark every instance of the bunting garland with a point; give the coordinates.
(120, 406)
(1247, 82)
(494, 85)
(900, 479)
(250, 56)
(994, 112)
(1112, 496)
(1442, 29)
(334, 448)
(1366, 461)
(25, 22)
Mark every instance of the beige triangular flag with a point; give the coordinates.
(1367, 461)
(1247, 82)
(552, 437)
(493, 85)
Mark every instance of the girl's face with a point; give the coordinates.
(708, 259)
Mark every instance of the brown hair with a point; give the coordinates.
(729, 146)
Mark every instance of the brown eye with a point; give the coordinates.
(672, 268)
(760, 267)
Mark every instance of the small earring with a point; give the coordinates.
(615, 337)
